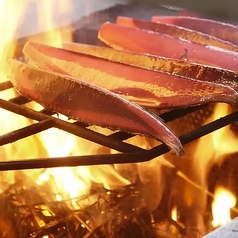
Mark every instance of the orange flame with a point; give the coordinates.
(11, 16)
(174, 214)
(223, 201)
(73, 182)
(212, 148)
(65, 182)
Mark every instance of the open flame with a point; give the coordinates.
(69, 183)
(9, 121)
(174, 213)
(212, 148)
(223, 201)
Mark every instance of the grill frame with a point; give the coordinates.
(128, 153)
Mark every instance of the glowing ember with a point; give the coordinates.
(223, 202)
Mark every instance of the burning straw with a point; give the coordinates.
(35, 212)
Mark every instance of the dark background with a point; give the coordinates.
(221, 9)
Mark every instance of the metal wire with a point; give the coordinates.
(131, 153)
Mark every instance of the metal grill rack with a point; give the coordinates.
(129, 153)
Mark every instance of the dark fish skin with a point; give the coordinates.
(148, 88)
(150, 42)
(168, 65)
(224, 31)
(88, 103)
(177, 31)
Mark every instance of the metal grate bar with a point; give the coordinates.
(26, 131)
(22, 133)
(142, 156)
(20, 100)
(70, 127)
(199, 132)
(5, 85)
(177, 113)
(167, 117)
(131, 153)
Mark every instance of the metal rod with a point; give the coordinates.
(167, 117)
(198, 133)
(116, 158)
(5, 85)
(65, 161)
(20, 100)
(71, 128)
(177, 113)
(118, 136)
(25, 132)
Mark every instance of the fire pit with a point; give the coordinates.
(108, 200)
